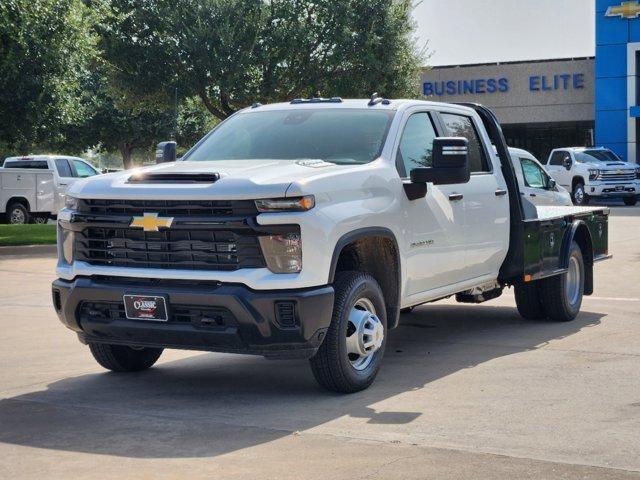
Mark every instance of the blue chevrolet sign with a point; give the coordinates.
(478, 86)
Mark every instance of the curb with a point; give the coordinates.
(28, 250)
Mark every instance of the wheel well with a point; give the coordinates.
(21, 200)
(582, 237)
(575, 181)
(378, 256)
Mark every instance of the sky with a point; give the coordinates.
(484, 31)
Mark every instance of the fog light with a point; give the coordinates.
(283, 253)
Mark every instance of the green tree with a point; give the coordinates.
(44, 50)
(231, 53)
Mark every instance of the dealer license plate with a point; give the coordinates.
(146, 307)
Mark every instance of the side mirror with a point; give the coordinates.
(450, 163)
(166, 152)
(552, 184)
(566, 163)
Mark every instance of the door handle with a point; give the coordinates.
(500, 192)
(63, 184)
(532, 195)
(455, 197)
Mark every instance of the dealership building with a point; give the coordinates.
(546, 104)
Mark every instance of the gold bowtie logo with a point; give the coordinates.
(150, 222)
(625, 10)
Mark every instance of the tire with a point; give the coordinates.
(561, 295)
(578, 195)
(630, 201)
(528, 301)
(120, 358)
(17, 214)
(333, 366)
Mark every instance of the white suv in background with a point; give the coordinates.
(536, 186)
(594, 172)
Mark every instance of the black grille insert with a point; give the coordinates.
(178, 249)
(199, 316)
(213, 208)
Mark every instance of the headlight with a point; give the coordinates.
(638, 173)
(71, 202)
(593, 173)
(283, 253)
(294, 204)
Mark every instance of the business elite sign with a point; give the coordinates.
(479, 86)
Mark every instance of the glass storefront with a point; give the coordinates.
(541, 138)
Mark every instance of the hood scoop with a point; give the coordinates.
(173, 177)
(617, 164)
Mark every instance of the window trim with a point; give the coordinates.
(483, 148)
(400, 167)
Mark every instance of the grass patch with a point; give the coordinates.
(11, 235)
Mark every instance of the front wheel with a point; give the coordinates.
(579, 196)
(350, 356)
(120, 358)
(630, 201)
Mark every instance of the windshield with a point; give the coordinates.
(597, 156)
(335, 135)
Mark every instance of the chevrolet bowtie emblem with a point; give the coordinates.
(625, 10)
(150, 222)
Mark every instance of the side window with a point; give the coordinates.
(461, 126)
(556, 158)
(533, 175)
(416, 143)
(64, 170)
(83, 170)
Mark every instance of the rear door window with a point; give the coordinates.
(64, 169)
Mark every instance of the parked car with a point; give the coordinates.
(536, 185)
(301, 229)
(594, 173)
(32, 189)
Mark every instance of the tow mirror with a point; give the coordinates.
(450, 163)
(166, 152)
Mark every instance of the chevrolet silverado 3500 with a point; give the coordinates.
(302, 229)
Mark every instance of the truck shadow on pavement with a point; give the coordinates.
(208, 405)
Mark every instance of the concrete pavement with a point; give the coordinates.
(466, 391)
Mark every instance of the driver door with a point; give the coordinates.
(433, 225)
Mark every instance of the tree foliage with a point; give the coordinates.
(44, 47)
(232, 53)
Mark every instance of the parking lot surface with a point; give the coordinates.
(465, 391)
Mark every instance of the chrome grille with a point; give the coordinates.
(617, 175)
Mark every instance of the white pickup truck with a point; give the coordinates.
(302, 229)
(594, 172)
(32, 188)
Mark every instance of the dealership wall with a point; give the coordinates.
(520, 92)
(617, 44)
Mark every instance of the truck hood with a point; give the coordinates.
(238, 179)
(606, 166)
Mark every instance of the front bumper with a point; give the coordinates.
(253, 322)
(612, 189)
